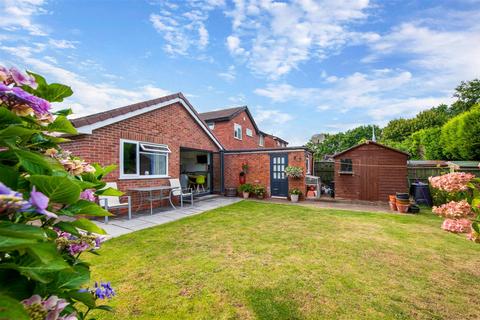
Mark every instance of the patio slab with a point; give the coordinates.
(118, 227)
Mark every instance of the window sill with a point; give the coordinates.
(144, 177)
(238, 138)
(348, 173)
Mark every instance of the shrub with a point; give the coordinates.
(43, 276)
(296, 191)
(259, 191)
(294, 172)
(246, 187)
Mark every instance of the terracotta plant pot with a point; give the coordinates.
(246, 195)
(403, 208)
(294, 197)
(402, 201)
(392, 198)
(393, 206)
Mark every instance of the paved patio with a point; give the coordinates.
(120, 226)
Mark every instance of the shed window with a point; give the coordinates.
(143, 160)
(346, 166)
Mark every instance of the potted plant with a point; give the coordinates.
(294, 172)
(295, 194)
(259, 191)
(245, 190)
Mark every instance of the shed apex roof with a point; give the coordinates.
(368, 142)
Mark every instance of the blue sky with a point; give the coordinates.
(302, 67)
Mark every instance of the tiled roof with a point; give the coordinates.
(219, 115)
(101, 116)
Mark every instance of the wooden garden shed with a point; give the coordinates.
(370, 171)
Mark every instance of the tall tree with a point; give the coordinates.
(467, 94)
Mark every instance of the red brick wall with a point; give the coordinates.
(223, 130)
(377, 172)
(259, 169)
(171, 125)
(269, 142)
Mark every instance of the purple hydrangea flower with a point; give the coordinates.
(4, 88)
(39, 105)
(88, 194)
(4, 74)
(40, 202)
(22, 79)
(104, 290)
(11, 200)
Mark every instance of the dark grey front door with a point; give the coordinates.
(278, 178)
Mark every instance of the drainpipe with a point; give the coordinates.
(222, 173)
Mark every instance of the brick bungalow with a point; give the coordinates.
(164, 138)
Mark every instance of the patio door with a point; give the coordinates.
(278, 178)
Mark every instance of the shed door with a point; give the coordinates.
(369, 178)
(278, 178)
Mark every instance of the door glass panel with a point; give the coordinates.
(283, 159)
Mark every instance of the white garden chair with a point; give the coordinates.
(113, 202)
(178, 191)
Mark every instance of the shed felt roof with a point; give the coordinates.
(367, 143)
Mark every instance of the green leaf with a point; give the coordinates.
(110, 192)
(33, 163)
(71, 278)
(16, 131)
(8, 117)
(476, 227)
(9, 176)
(62, 124)
(48, 254)
(63, 112)
(18, 230)
(105, 307)
(58, 189)
(12, 309)
(85, 297)
(88, 225)
(54, 92)
(86, 208)
(68, 227)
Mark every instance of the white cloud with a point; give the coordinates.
(19, 14)
(445, 56)
(380, 94)
(283, 35)
(183, 29)
(228, 75)
(88, 97)
(62, 44)
(271, 116)
(237, 99)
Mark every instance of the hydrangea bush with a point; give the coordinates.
(462, 211)
(45, 196)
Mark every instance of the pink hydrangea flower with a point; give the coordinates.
(451, 182)
(457, 226)
(454, 210)
(88, 194)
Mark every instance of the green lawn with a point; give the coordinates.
(254, 260)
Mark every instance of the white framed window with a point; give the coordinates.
(211, 125)
(249, 132)
(141, 160)
(237, 131)
(261, 140)
(307, 164)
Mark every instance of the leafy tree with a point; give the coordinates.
(398, 130)
(467, 94)
(433, 117)
(334, 143)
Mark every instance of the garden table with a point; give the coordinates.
(147, 193)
